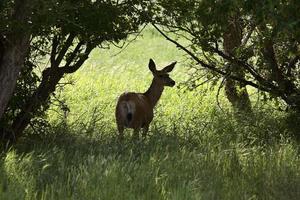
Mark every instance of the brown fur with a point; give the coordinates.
(140, 105)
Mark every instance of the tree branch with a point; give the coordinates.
(64, 50)
(53, 50)
(72, 68)
(71, 58)
(210, 67)
(247, 66)
(292, 63)
(248, 35)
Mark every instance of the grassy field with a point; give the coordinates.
(194, 149)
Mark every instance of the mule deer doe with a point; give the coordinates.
(135, 110)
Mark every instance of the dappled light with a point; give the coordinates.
(228, 129)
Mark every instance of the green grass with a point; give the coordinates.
(194, 150)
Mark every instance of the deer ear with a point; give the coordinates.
(169, 68)
(152, 66)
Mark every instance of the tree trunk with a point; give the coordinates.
(288, 90)
(51, 77)
(10, 67)
(235, 92)
(13, 49)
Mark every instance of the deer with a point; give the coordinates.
(135, 110)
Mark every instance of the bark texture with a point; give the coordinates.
(235, 92)
(13, 49)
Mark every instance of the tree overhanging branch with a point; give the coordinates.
(74, 53)
(64, 49)
(67, 69)
(247, 67)
(55, 43)
(210, 67)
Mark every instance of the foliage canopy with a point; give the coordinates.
(269, 49)
(63, 32)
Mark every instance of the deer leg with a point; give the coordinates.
(145, 130)
(121, 131)
(136, 133)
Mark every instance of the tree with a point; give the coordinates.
(266, 54)
(14, 43)
(236, 93)
(66, 32)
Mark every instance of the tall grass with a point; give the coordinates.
(194, 149)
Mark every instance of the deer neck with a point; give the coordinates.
(154, 92)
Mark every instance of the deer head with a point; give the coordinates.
(162, 76)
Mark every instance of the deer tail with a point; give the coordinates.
(128, 110)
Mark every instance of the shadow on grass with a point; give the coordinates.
(221, 159)
(105, 145)
(222, 131)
